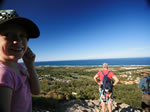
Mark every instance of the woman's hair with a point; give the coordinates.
(105, 65)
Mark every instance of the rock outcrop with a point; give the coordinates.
(94, 106)
(87, 106)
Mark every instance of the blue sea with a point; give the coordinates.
(96, 62)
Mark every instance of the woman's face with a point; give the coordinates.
(13, 42)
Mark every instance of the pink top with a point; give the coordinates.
(101, 76)
(21, 97)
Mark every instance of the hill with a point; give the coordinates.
(61, 85)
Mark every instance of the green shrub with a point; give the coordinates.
(82, 83)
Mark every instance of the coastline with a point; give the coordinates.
(89, 65)
(97, 62)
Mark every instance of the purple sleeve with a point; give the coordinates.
(6, 78)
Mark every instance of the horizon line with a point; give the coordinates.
(90, 59)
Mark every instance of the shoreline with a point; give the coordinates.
(96, 62)
(91, 65)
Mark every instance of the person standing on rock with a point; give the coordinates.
(145, 87)
(105, 95)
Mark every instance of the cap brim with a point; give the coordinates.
(32, 29)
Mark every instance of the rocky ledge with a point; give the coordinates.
(88, 106)
(94, 106)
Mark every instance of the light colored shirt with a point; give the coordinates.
(143, 84)
(21, 97)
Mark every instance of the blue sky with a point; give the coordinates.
(87, 29)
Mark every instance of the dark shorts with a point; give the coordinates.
(144, 106)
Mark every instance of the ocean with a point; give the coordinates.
(96, 62)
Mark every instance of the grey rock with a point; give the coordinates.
(94, 106)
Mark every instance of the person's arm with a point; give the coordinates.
(95, 78)
(5, 99)
(116, 80)
(141, 84)
(28, 59)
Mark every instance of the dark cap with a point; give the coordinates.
(11, 16)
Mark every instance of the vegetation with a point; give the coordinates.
(60, 84)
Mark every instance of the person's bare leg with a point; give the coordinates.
(103, 107)
(109, 107)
